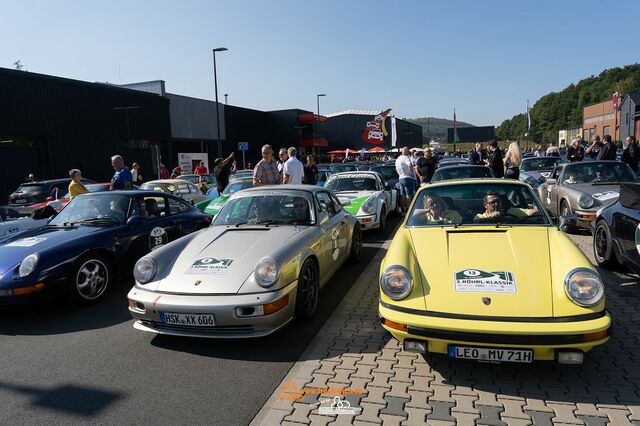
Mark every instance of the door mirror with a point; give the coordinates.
(550, 181)
(387, 187)
(567, 222)
(134, 220)
(323, 218)
(345, 201)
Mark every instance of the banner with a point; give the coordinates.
(375, 131)
(189, 160)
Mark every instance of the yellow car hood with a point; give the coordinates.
(485, 271)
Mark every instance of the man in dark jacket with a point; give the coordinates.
(631, 153)
(478, 155)
(494, 161)
(575, 152)
(608, 150)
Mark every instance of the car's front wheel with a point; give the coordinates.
(90, 279)
(383, 220)
(565, 210)
(308, 291)
(603, 249)
(356, 245)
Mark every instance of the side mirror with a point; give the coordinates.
(323, 218)
(550, 181)
(134, 220)
(345, 202)
(387, 187)
(566, 223)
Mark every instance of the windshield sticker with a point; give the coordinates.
(606, 195)
(479, 281)
(26, 242)
(347, 175)
(158, 238)
(209, 266)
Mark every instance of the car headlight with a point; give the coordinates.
(584, 287)
(28, 264)
(145, 270)
(368, 206)
(266, 272)
(585, 201)
(396, 282)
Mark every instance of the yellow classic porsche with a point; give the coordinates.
(478, 271)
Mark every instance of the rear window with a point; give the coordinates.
(31, 189)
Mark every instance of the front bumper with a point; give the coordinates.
(543, 337)
(368, 221)
(227, 322)
(53, 287)
(585, 217)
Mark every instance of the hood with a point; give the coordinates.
(604, 194)
(222, 258)
(539, 176)
(216, 205)
(356, 198)
(509, 281)
(19, 246)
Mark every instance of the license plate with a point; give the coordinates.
(20, 201)
(193, 320)
(491, 354)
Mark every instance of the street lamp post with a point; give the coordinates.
(318, 120)
(215, 82)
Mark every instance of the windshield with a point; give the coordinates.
(337, 168)
(273, 207)
(164, 187)
(351, 183)
(597, 172)
(462, 173)
(31, 189)
(89, 208)
(539, 163)
(234, 187)
(476, 204)
(386, 172)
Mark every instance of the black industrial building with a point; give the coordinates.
(630, 116)
(472, 134)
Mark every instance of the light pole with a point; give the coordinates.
(215, 82)
(318, 120)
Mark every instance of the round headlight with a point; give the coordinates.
(266, 272)
(584, 287)
(145, 270)
(28, 264)
(585, 201)
(368, 206)
(396, 282)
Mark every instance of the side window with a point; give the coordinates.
(337, 204)
(556, 173)
(326, 204)
(182, 189)
(177, 206)
(193, 189)
(154, 207)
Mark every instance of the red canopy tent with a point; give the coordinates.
(376, 149)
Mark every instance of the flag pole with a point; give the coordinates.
(528, 124)
(455, 131)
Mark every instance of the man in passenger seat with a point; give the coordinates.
(494, 210)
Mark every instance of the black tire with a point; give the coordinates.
(565, 210)
(308, 291)
(356, 245)
(383, 220)
(603, 249)
(90, 279)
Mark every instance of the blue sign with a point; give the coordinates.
(243, 146)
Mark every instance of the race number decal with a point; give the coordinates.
(209, 266)
(26, 242)
(606, 195)
(334, 241)
(158, 238)
(479, 281)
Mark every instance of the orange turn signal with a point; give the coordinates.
(27, 290)
(590, 337)
(588, 216)
(273, 307)
(395, 325)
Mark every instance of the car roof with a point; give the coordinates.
(357, 172)
(480, 181)
(465, 166)
(47, 181)
(307, 188)
(171, 181)
(135, 193)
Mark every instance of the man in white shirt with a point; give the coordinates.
(407, 178)
(292, 170)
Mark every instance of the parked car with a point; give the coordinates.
(64, 200)
(180, 188)
(204, 182)
(616, 231)
(96, 236)
(462, 172)
(261, 264)
(535, 296)
(452, 161)
(215, 205)
(12, 222)
(241, 174)
(535, 170)
(365, 196)
(29, 194)
(583, 188)
(389, 175)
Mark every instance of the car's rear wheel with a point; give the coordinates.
(308, 291)
(383, 220)
(90, 279)
(565, 210)
(603, 249)
(356, 245)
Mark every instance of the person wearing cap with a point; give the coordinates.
(176, 172)
(201, 169)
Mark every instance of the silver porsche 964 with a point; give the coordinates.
(262, 263)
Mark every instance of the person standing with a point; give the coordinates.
(135, 173)
(608, 150)
(177, 171)
(575, 152)
(122, 178)
(512, 161)
(630, 154)
(426, 166)
(164, 172)
(539, 151)
(553, 150)
(31, 178)
(292, 170)
(221, 172)
(494, 159)
(477, 156)
(283, 156)
(266, 171)
(201, 169)
(594, 149)
(75, 186)
(310, 171)
(406, 173)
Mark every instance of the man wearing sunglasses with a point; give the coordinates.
(494, 210)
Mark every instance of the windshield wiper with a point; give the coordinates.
(607, 182)
(99, 220)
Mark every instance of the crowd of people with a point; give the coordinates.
(287, 169)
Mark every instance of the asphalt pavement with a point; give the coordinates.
(80, 365)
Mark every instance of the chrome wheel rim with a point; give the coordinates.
(92, 279)
(601, 243)
(309, 290)
(357, 241)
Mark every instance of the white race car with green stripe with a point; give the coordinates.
(370, 200)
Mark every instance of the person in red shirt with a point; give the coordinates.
(201, 169)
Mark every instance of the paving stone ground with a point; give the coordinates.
(394, 387)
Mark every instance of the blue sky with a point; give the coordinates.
(420, 58)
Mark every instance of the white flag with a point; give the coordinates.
(394, 133)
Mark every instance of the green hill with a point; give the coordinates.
(563, 110)
(436, 128)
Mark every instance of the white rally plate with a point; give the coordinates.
(491, 354)
(190, 320)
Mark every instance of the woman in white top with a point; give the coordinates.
(512, 160)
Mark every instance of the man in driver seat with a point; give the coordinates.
(300, 213)
(493, 209)
(437, 211)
